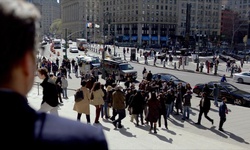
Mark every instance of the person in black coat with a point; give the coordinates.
(59, 88)
(163, 110)
(50, 93)
(149, 76)
(20, 19)
(206, 89)
(205, 105)
(137, 104)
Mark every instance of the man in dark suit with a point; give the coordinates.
(22, 126)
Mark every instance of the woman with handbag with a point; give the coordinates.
(97, 99)
(82, 107)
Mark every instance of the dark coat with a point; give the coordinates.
(137, 104)
(153, 110)
(206, 104)
(49, 93)
(44, 130)
(223, 110)
(163, 110)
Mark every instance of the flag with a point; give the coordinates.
(97, 26)
(89, 25)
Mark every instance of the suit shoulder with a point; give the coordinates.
(65, 131)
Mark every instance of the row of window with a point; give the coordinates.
(114, 2)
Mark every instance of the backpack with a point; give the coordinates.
(79, 95)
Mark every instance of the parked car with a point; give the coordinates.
(167, 77)
(242, 77)
(233, 94)
(73, 49)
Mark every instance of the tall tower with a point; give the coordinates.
(188, 15)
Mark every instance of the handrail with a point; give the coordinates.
(38, 85)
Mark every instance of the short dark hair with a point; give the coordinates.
(43, 71)
(19, 21)
(83, 83)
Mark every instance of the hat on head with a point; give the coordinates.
(118, 87)
(109, 88)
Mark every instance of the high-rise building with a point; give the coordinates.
(77, 14)
(144, 22)
(50, 10)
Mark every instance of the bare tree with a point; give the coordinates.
(236, 24)
(56, 27)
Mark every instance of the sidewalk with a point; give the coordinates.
(190, 67)
(180, 134)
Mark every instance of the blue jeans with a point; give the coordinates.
(65, 95)
(216, 100)
(169, 109)
(104, 111)
(186, 112)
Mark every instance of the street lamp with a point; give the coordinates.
(114, 42)
(66, 42)
(197, 60)
(103, 51)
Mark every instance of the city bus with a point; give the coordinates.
(82, 44)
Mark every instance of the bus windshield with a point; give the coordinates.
(82, 44)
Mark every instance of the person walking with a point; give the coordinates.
(223, 111)
(83, 106)
(137, 105)
(153, 111)
(50, 97)
(215, 94)
(103, 113)
(118, 98)
(59, 88)
(76, 70)
(163, 111)
(97, 100)
(204, 108)
(169, 102)
(65, 85)
(20, 19)
(186, 105)
(206, 89)
(107, 102)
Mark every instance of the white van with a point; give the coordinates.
(57, 43)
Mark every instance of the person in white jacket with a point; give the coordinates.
(65, 87)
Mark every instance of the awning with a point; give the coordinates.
(154, 38)
(134, 38)
(163, 38)
(125, 38)
(145, 38)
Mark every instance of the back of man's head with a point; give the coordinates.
(19, 23)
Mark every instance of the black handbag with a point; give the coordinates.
(79, 95)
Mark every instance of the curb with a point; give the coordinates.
(186, 70)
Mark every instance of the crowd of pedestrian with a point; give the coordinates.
(145, 104)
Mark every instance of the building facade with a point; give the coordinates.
(50, 10)
(77, 14)
(142, 22)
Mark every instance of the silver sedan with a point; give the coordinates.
(243, 77)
